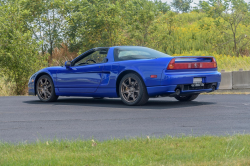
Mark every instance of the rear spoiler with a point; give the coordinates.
(194, 62)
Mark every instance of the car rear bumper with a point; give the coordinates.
(184, 81)
(181, 78)
(169, 90)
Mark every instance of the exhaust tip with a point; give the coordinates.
(213, 88)
(176, 93)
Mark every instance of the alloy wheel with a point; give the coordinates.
(130, 89)
(44, 88)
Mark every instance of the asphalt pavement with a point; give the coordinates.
(25, 118)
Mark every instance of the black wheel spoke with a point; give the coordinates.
(133, 96)
(48, 92)
(128, 96)
(41, 82)
(126, 92)
(45, 81)
(40, 93)
(45, 95)
(129, 80)
(125, 84)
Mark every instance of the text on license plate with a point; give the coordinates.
(197, 80)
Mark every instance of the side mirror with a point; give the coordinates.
(68, 64)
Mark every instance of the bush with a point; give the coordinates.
(19, 57)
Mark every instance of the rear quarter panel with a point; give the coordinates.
(145, 68)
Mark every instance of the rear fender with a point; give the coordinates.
(146, 68)
(132, 70)
(127, 71)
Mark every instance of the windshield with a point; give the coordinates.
(133, 53)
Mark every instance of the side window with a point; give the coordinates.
(132, 55)
(95, 57)
(136, 52)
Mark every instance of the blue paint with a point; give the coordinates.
(100, 80)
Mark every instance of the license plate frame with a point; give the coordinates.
(197, 80)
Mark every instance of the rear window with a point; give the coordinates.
(133, 53)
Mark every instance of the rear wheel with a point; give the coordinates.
(187, 98)
(45, 89)
(132, 90)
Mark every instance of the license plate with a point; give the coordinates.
(197, 80)
(197, 85)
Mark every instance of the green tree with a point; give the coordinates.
(163, 7)
(236, 17)
(95, 23)
(214, 8)
(74, 21)
(19, 57)
(46, 23)
(140, 15)
(182, 5)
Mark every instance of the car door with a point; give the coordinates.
(82, 77)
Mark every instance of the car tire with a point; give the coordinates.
(187, 98)
(45, 89)
(132, 90)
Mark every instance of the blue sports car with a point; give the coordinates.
(132, 73)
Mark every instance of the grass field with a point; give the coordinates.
(186, 150)
(6, 87)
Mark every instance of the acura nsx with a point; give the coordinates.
(132, 73)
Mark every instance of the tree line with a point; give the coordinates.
(32, 31)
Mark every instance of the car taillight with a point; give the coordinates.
(215, 63)
(173, 65)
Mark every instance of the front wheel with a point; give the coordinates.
(132, 90)
(187, 98)
(45, 89)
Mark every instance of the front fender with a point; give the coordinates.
(37, 75)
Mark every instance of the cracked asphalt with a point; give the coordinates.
(25, 118)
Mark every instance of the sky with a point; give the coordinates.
(194, 1)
